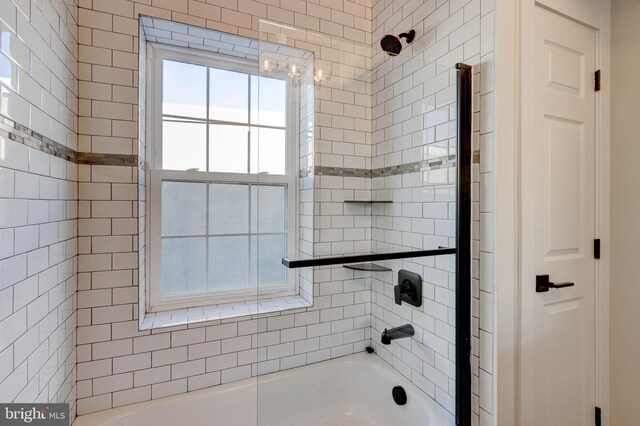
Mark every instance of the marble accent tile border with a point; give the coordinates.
(97, 159)
(305, 173)
(17, 132)
(418, 166)
(341, 171)
(22, 134)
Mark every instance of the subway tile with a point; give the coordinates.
(151, 376)
(93, 369)
(161, 390)
(112, 383)
(122, 364)
(112, 349)
(168, 356)
(186, 369)
(16, 155)
(93, 404)
(6, 363)
(7, 183)
(187, 337)
(203, 380)
(6, 302)
(151, 343)
(95, 333)
(203, 350)
(111, 222)
(236, 344)
(13, 270)
(131, 396)
(13, 212)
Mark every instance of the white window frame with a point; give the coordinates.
(155, 302)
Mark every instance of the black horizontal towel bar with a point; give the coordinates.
(359, 258)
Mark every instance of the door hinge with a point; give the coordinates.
(597, 80)
(598, 415)
(596, 248)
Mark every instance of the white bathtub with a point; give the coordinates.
(353, 390)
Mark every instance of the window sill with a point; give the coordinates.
(156, 320)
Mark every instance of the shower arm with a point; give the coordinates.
(408, 36)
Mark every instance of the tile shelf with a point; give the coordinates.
(367, 266)
(368, 201)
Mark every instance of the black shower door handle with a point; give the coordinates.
(543, 284)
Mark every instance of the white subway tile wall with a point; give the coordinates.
(373, 112)
(414, 119)
(38, 202)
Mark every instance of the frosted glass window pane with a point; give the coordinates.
(228, 209)
(228, 148)
(184, 208)
(268, 213)
(267, 252)
(268, 101)
(184, 89)
(184, 145)
(228, 262)
(183, 265)
(268, 151)
(228, 96)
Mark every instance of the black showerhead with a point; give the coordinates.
(392, 45)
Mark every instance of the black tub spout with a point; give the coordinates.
(397, 333)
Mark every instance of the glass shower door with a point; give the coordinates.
(385, 181)
(282, 142)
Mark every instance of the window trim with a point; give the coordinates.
(156, 53)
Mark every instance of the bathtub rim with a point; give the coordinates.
(440, 416)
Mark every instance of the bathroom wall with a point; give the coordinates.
(625, 205)
(413, 164)
(117, 364)
(39, 213)
(38, 200)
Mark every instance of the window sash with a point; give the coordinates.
(155, 175)
(156, 300)
(157, 53)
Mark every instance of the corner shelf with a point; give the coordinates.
(368, 266)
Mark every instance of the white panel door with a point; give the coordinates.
(558, 329)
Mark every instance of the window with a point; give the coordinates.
(221, 185)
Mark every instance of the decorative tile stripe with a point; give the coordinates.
(24, 135)
(341, 171)
(20, 133)
(306, 172)
(97, 159)
(418, 166)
